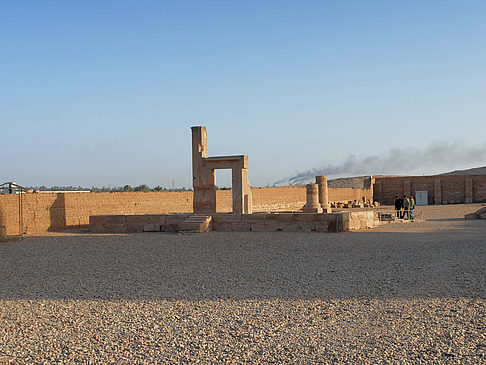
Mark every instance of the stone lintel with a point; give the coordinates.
(226, 162)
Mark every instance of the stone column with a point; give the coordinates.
(203, 179)
(247, 196)
(323, 193)
(469, 191)
(312, 205)
(438, 191)
(241, 191)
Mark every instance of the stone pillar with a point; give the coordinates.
(469, 191)
(312, 205)
(438, 191)
(247, 196)
(378, 192)
(323, 193)
(407, 188)
(203, 179)
(241, 191)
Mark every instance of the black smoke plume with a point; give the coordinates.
(436, 158)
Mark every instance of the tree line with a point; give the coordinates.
(104, 189)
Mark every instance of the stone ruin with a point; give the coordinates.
(316, 216)
(317, 197)
(204, 176)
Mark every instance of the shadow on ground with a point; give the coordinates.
(213, 266)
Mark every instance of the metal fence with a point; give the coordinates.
(13, 188)
(402, 214)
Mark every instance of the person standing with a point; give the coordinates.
(412, 207)
(406, 207)
(398, 206)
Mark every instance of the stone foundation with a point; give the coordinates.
(232, 222)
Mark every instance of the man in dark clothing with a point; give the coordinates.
(398, 206)
(406, 207)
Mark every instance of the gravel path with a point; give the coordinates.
(412, 292)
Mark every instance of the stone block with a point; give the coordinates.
(176, 218)
(146, 218)
(222, 226)
(264, 227)
(195, 226)
(134, 228)
(305, 217)
(254, 218)
(280, 217)
(136, 219)
(308, 226)
(322, 227)
(290, 227)
(302, 226)
(116, 228)
(324, 217)
(168, 227)
(108, 228)
(97, 220)
(240, 227)
(227, 217)
(115, 219)
(98, 228)
(151, 227)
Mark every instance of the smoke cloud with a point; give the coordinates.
(438, 157)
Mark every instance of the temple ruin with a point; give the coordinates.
(315, 215)
(204, 176)
(243, 208)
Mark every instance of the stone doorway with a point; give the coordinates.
(204, 176)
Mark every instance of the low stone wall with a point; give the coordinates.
(260, 222)
(57, 211)
(361, 220)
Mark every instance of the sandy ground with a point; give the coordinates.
(401, 293)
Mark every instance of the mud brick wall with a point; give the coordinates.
(442, 189)
(347, 194)
(56, 211)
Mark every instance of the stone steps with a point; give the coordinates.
(195, 223)
(480, 214)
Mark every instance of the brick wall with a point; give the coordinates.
(57, 211)
(442, 189)
(347, 194)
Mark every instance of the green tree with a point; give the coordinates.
(143, 188)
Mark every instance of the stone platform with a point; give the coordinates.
(260, 222)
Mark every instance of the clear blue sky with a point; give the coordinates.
(105, 92)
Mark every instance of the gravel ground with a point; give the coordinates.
(410, 292)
